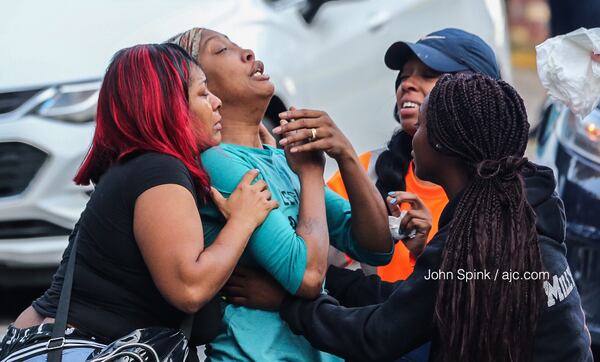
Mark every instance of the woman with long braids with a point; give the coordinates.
(391, 168)
(493, 284)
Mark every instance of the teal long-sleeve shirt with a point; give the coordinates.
(275, 247)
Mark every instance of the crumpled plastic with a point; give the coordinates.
(567, 71)
(397, 232)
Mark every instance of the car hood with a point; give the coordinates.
(49, 42)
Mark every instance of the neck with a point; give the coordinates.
(454, 183)
(423, 182)
(241, 125)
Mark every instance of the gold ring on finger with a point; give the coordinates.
(313, 136)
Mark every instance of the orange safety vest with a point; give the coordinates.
(433, 197)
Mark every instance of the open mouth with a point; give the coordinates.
(258, 71)
(410, 105)
(258, 68)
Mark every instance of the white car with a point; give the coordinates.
(320, 54)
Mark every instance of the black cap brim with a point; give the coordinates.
(400, 52)
(397, 54)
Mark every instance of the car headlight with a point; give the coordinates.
(75, 102)
(582, 135)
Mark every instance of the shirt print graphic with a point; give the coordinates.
(559, 287)
(291, 198)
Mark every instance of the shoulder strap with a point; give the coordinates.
(57, 340)
(56, 343)
(186, 326)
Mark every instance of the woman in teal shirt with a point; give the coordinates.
(293, 241)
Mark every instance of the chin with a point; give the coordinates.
(419, 173)
(263, 91)
(270, 89)
(409, 126)
(216, 139)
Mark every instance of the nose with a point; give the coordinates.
(408, 84)
(215, 102)
(248, 55)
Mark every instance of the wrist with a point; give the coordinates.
(348, 159)
(248, 224)
(311, 172)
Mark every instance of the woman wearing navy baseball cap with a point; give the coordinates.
(419, 67)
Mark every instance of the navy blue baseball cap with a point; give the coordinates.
(446, 51)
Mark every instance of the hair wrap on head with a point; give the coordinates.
(189, 40)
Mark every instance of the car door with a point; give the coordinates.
(348, 77)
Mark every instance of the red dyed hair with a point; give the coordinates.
(143, 106)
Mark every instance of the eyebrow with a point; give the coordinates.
(205, 42)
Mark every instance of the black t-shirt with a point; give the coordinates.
(113, 292)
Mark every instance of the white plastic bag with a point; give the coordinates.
(397, 232)
(567, 71)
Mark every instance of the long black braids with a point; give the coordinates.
(392, 164)
(483, 122)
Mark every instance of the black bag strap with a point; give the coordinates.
(186, 326)
(57, 340)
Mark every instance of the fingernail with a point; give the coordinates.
(283, 142)
(276, 129)
(391, 193)
(393, 201)
(282, 114)
(293, 150)
(257, 170)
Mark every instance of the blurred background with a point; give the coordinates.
(320, 54)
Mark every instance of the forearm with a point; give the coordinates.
(214, 264)
(373, 333)
(312, 227)
(354, 289)
(369, 214)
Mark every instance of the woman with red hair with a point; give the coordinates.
(141, 258)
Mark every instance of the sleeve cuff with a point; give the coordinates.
(373, 258)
